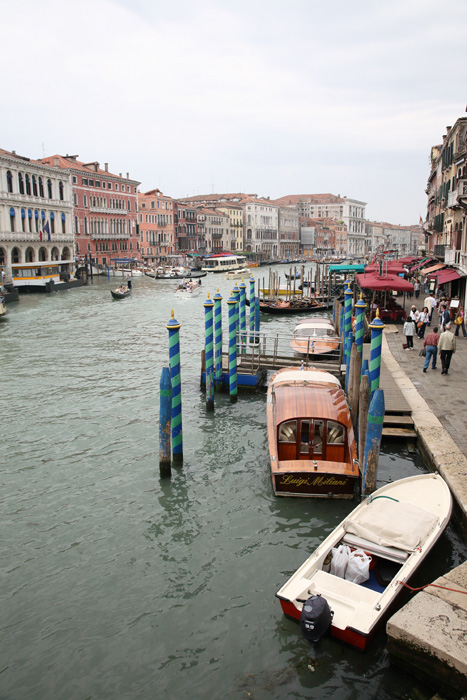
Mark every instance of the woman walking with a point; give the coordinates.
(460, 322)
(413, 316)
(423, 319)
(431, 345)
(408, 332)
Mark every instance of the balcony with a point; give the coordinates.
(439, 250)
(108, 236)
(108, 210)
(28, 237)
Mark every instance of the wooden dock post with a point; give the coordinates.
(208, 306)
(165, 403)
(363, 403)
(354, 384)
(217, 340)
(232, 302)
(377, 328)
(374, 432)
(173, 326)
(348, 350)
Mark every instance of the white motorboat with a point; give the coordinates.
(396, 526)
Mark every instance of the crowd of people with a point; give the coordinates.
(448, 320)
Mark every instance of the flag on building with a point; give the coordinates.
(47, 230)
(40, 232)
(421, 221)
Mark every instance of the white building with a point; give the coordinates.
(289, 233)
(214, 229)
(261, 225)
(36, 211)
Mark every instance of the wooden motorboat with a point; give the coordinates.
(311, 439)
(237, 274)
(315, 337)
(191, 289)
(397, 526)
(121, 292)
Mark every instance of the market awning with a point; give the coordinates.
(423, 262)
(385, 283)
(445, 276)
(345, 268)
(433, 268)
(409, 260)
(392, 267)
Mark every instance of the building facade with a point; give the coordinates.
(214, 229)
(186, 228)
(156, 226)
(289, 233)
(261, 220)
(104, 210)
(36, 211)
(235, 214)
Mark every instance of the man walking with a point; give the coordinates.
(431, 345)
(447, 347)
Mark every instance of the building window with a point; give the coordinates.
(49, 188)
(28, 184)
(60, 190)
(34, 185)
(9, 181)
(76, 224)
(116, 186)
(12, 219)
(63, 223)
(20, 183)
(75, 199)
(41, 187)
(23, 219)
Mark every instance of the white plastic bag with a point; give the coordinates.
(358, 567)
(340, 558)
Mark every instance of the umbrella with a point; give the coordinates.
(384, 283)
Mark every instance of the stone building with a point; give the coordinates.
(104, 210)
(36, 211)
(156, 226)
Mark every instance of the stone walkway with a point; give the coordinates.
(446, 395)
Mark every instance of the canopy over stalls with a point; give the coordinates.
(444, 276)
(345, 268)
(384, 283)
(422, 263)
(432, 268)
(392, 266)
(410, 260)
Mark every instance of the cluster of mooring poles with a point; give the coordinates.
(170, 415)
(366, 399)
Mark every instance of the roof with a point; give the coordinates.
(312, 399)
(72, 163)
(310, 199)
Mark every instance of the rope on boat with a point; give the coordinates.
(390, 498)
(435, 585)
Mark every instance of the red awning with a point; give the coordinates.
(387, 282)
(422, 263)
(392, 267)
(409, 260)
(445, 276)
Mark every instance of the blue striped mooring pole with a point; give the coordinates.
(242, 313)
(208, 307)
(173, 326)
(236, 296)
(217, 339)
(374, 432)
(360, 307)
(348, 298)
(252, 308)
(165, 411)
(376, 347)
(232, 302)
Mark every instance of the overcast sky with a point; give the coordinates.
(275, 98)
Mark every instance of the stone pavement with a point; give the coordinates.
(446, 395)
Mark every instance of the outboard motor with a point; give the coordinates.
(316, 618)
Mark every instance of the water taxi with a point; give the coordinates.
(223, 262)
(44, 276)
(315, 336)
(311, 439)
(362, 566)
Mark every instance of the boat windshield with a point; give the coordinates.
(320, 332)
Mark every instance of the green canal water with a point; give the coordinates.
(116, 584)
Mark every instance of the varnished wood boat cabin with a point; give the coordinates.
(311, 440)
(315, 337)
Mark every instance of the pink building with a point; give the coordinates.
(156, 226)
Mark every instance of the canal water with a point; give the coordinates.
(117, 584)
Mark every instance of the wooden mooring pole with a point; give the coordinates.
(165, 402)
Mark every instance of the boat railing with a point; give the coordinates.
(257, 350)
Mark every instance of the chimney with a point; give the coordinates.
(56, 162)
(106, 166)
(128, 176)
(14, 153)
(96, 166)
(119, 174)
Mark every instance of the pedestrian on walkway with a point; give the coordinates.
(444, 317)
(431, 345)
(413, 316)
(428, 305)
(446, 347)
(423, 319)
(434, 304)
(408, 332)
(460, 322)
(416, 288)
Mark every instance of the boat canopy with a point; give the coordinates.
(304, 376)
(345, 268)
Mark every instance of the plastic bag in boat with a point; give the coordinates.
(339, 561)
(358, 567)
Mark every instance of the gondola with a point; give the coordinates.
(121, 292)
(283, 308)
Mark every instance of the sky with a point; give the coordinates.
(266, 96)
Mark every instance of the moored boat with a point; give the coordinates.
(311, 439)
(315, 336)
(297, 306)
(396, 527)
